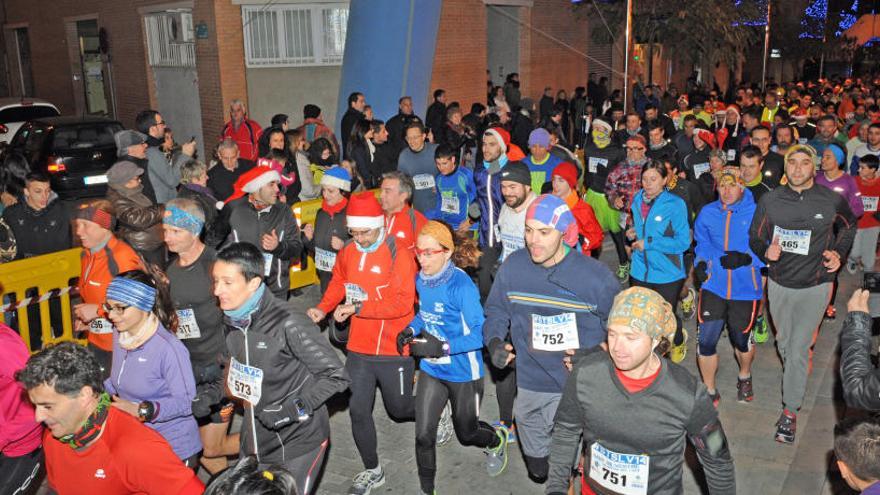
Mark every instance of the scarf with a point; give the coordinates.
(639, 163)
(374, 246)
(332, 210)
(151, 141)
(92, 426)
(241, 316)
(136, 337)
(134, 194)
(602, 139)
(439, 278)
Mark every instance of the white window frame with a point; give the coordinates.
(283, 59)
(162, 50)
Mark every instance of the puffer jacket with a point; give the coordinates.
(489, 200)
(721, 228)
(138, 220)
(296, 362)
(861, 380)
(666, 237)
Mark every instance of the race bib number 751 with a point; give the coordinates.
(626, 474)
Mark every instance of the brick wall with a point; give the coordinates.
(460, 59)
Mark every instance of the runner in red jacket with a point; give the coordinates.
(565, 187)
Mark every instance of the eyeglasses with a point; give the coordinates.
(358, 233)
(161, 122)
(114, 309)
(634, 148)
(428, 252)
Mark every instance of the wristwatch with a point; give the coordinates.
(145, 412)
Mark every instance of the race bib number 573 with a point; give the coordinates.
(245, 382)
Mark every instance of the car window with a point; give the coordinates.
(93, 135)
(30, 112)
(34, 138)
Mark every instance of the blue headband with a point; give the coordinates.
(176, 217)
(133, 293)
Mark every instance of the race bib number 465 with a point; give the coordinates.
(793, 241)
(625, 474)
(554, 333)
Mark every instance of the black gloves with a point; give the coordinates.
(277, 416)
(735, 259)
(426, 345)
(700, 272)
(403, 338)
(497, 353)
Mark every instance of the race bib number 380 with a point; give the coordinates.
(554, 333)
(793, 241)
(624, 474)
(245, 382)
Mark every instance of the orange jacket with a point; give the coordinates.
(96, 274)
(589, 230)
(405, 225)
(387, 281)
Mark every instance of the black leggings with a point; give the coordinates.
(394, 377)
(306, 468)
(620, 246)
(670, 292)
(23, 474)
(505, 391)
(431, 397)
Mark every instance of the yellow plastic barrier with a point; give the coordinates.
(45, 273)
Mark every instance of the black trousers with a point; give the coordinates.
(22, 475)
(394, 377)
(431, 397)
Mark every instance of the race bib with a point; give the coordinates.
(423, 181)
(595, 162)
(700, 169)
(354, 294)
(793, 241)
(245, 382)
(324, 260)
(187, 327)
(731, 155)
(511, 243)
(100, 326)
(449, 204)
(554, 333)
(869, 203)
(267, 264)
(803, 140)
(624, 474)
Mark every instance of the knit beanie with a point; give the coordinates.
(800, 148)
(440, 233)
(337, 177)
(601, 124)
(643, 310)
(252, 181)
(104, 218)
(539, 137)
(553, 212)
(364, 212)
(517, 172)
(839, 154)
(568, 172)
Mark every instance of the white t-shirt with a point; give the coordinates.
(512, 227)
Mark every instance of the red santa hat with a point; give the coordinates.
(252, 180)
(364, 212)
(513, 152)
(735, 109)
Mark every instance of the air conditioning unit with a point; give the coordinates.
(180, 26)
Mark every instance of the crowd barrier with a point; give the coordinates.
(51, 279)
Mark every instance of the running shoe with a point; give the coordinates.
(852, 266)
(785, 427)
(511, 430)
(688, 304)
(744, 392)
(623, 272)
(678, 352)
(496, 458)
(366, 480)
(762, 330)
(445, 430)
(716, 398)
(830, 313)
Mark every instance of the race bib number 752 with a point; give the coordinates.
(555, 332)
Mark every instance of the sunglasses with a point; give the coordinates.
(111, 309)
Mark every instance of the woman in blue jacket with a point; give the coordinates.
(447, 333)
(151, 377)
(660, 236)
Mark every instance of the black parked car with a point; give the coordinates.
(74, 151)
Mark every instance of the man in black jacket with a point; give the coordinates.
(800, 230)
(397, 124)
(355, 112)
(861, 379)
(435, 117)
(40, 223)
(132, 146)
(280, 367)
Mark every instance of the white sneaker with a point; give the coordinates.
(445, 430)
(366, 481)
